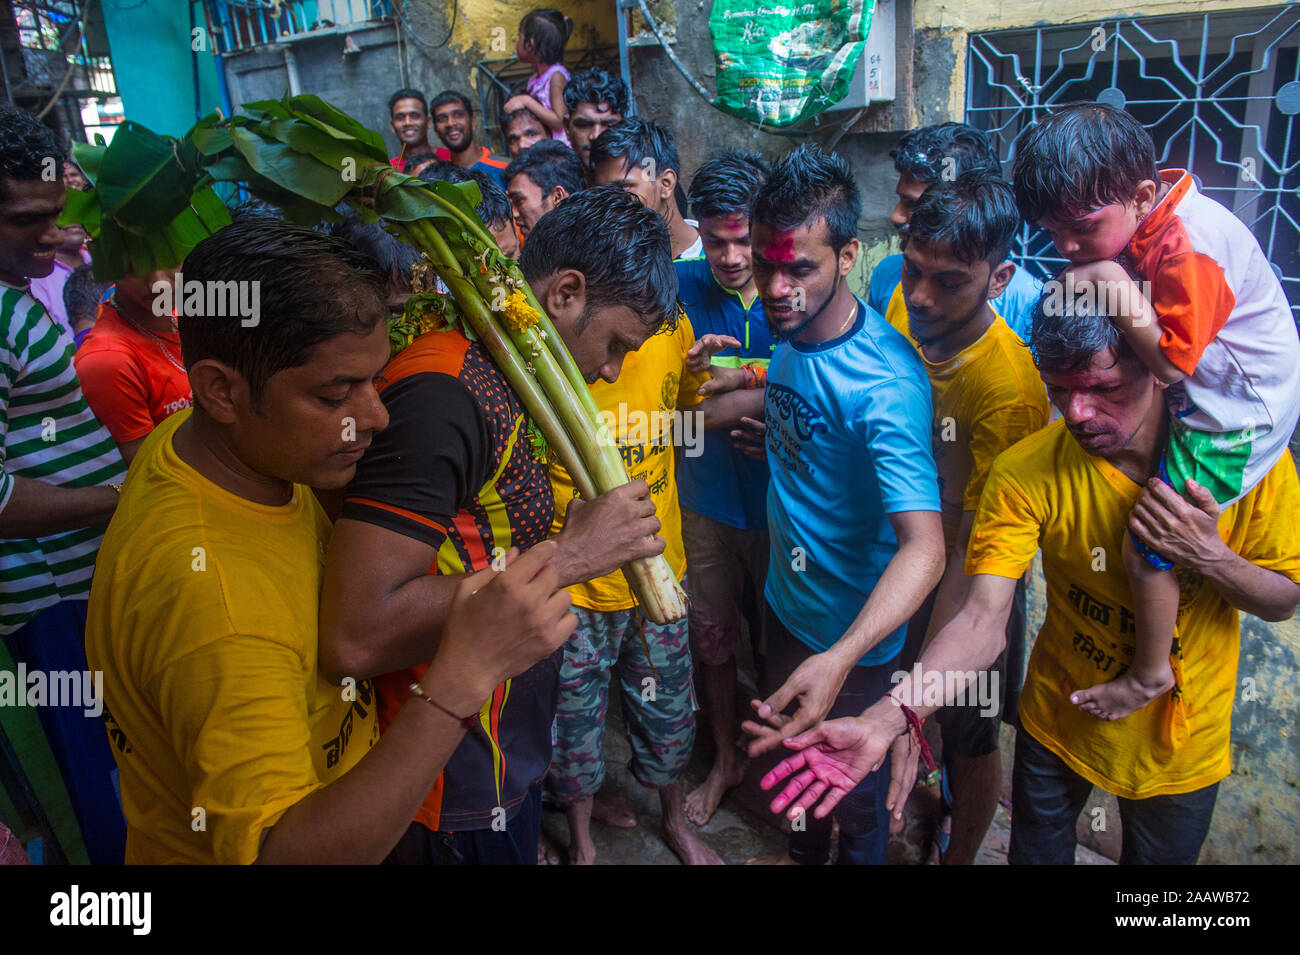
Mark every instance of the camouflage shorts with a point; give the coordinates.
(658, 701)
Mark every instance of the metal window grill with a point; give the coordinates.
(50, 41)
(1219, 93)
(46, 59)
(243, 24)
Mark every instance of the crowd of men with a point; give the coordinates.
(397, 641)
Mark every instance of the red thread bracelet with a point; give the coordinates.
(469, 722)
(914, 724)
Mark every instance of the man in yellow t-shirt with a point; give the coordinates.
(987, 396)
(231, 745)
(1075, 489)
(648, 409)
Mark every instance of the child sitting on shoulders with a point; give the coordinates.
(542, 35)
(1208, 316)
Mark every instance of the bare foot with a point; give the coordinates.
(781, 859)
(582, 853)
(690, 848)
(548, 853)
(703, 801)
(613, 810)
(1125, 694)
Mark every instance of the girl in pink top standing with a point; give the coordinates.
(542, 35)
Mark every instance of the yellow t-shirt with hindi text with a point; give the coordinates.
(1047, 492)
(203, 618)
(639, 410)
(986, 398)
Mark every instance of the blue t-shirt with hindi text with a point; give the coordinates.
(721, 482)
(848, 443)
(1015, 304)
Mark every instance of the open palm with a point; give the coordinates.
(832, 759)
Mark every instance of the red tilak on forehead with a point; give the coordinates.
(781, 248)
(735, 224)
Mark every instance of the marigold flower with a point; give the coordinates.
(518, 312)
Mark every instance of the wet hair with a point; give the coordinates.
(451, 96)
(1082, 157)
(393, 256)
(312, 286)
(807, 185)
(407, 92)
(508, 118)
(620, 246)
(549, 163)
(546, 31)
(634, 141)
(920, 153)
(1067, 332)
(82, 294)
(975, 215)
(596, 86)
(423, 156)
(444, 171)
(255, 208)
(25, 146)
(494, 209)
(727, 184)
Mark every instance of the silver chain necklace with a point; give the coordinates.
(157, 339)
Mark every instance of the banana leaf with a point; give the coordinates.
(82, 208)
(140, 181)
(153, 201)
(330, 119)
(117, 250)
(89, 157)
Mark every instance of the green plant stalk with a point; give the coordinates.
(584, 431)
(565, 360)
(652, 580)
(554, 343)
(421, 234)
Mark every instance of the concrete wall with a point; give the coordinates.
(360, 83)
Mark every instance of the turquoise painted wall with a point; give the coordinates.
(150, 44)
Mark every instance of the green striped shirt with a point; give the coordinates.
(47, 433)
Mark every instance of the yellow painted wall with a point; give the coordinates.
(477, 19)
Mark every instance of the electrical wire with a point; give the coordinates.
(695, 84)
(421, 41)
(81, 32)
(654, 28)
